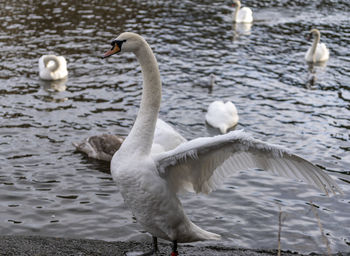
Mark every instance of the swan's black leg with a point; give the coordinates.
(174, 252)
(155, 244)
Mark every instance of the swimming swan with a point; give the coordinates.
(242, 15)
(52, 67)
(149, 183)
(103, 147)
(318, 52)
(222, 115)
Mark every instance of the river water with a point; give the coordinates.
(48, 189)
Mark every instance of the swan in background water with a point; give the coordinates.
(242, 15)
(103, 147)
(52, 67)
(318, 52)
(204, 82)
(212, 80)
(222, 115)
(149, 183)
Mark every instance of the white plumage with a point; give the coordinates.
(200, 166)
(318, 52)
(149, 183)
(242, 15)
(52, 67)
(165, 138)
(222, 115)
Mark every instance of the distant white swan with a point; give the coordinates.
(222, 115)
(103, 147)
(242, 15)
(52, 67)
(149, 183)
(318, 52)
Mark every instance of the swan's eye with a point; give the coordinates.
(113, 43)
(116, 47)
(117, 42)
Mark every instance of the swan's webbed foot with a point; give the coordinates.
(153, 252)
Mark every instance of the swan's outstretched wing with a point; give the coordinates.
(201, 165)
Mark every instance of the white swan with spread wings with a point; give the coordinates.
(149, 183)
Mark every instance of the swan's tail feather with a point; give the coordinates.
(201, 234)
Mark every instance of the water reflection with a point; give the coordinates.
(53, 91)
(314, 69)
(241, 29)
(55, 86)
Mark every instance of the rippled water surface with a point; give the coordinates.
(48, 189)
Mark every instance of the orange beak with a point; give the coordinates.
(112, 51)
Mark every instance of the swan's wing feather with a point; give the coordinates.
(201, 165)
(166, 136)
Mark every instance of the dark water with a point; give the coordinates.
(47, 189)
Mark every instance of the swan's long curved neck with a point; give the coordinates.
(141, 134)
(317, 36)
(238, 7)
(56, 65)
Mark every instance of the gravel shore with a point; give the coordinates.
(40, 246)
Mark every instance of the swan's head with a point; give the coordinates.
(125, 42)
(236, 3)
(314, 32)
